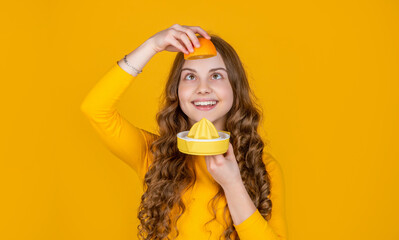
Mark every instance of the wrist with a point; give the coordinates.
(134, 62)
(126, 68)
(150, 46)
(233, 186)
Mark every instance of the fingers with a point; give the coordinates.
(213, 160)
(190, 32)
(176, 43)
(197, 29)
(207, 162)
(186, 41)
(229, 151)
(184, 34)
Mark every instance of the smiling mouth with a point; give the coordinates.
(205, 107)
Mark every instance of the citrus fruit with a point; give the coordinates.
(206, 50)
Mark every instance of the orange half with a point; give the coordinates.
(206, 50)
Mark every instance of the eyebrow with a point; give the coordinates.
(211, 70)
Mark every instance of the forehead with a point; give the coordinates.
(205, 63)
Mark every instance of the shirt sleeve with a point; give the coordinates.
(255, 226)
(123, 139)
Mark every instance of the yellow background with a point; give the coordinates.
(326, 73)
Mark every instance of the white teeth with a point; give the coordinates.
(205, 103)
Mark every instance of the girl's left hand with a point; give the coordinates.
(224, 168)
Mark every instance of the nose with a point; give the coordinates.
(203, 87)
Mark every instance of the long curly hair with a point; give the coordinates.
(170, 172)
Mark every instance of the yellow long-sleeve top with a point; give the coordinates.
(131, 144)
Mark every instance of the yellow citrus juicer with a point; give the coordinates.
(203, 139)
(206, 50)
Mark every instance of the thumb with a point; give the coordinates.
(229, 151)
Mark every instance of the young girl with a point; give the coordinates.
(236, 195)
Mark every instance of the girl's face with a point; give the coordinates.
(205, 80)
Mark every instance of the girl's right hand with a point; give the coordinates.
(177, 38)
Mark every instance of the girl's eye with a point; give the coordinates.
(189, 75)
(216, 74)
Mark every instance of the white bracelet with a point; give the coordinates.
(134, 69)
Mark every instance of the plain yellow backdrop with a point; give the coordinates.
(326, 74)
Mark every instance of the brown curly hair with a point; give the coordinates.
(170, 173)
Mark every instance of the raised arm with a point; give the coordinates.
(126, 141)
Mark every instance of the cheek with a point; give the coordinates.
(180, 92)
(226, 92)
(184, 97)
